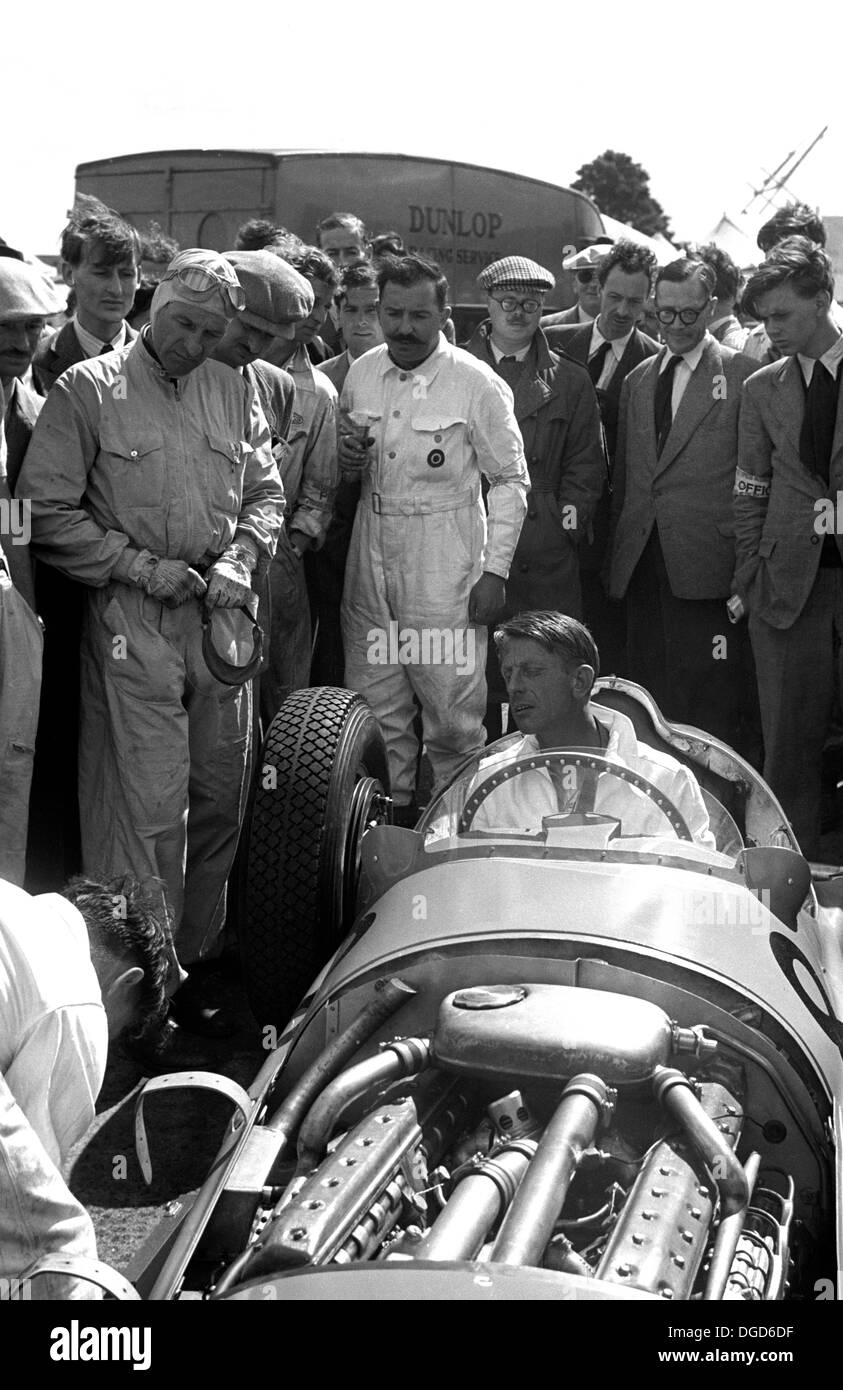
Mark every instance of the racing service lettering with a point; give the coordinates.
(445, 255)
(748, 485)
(453, 222)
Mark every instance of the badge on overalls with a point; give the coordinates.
(436, 458)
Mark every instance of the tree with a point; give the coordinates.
(621, 189)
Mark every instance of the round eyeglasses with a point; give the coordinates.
(685, 316)
(509, 304)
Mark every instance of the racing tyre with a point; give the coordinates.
(321, 779)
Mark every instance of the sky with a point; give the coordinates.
(707, 98)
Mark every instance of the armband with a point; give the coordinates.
(749, 485)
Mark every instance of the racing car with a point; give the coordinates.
(572, 1061)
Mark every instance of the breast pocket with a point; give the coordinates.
(438, 446)
(224, 467)
(132, 466)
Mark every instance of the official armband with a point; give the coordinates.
(748, 485)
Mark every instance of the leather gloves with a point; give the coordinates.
(230, 578)
(172, 582)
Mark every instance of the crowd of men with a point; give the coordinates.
(230, 475)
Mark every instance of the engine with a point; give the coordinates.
(572, 1130)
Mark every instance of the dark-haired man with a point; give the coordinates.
(357, 301)
(610, 347)
(794, 219)
(343, 238)
(100, 262)
(557, 414)
(672, 554)
(76, 969)
(550, 662)
(787, 522)
(725, 325)
(421, 422)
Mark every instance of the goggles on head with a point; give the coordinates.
(201, 279)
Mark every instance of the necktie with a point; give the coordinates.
(597, 361)
(663, 403)
(510, 369)
(817, 433)
(106, 347)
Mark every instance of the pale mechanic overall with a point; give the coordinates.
(419, 544)
(128, 463)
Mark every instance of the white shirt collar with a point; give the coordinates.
(831, 360)
(618, 345)
(92, 346)
(498, 353)
(691, 359)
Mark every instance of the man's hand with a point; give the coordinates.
(229, 584)
(487, 599)
(300, 542)
(353, 453)
(172, 582)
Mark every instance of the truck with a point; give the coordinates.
(460, 215)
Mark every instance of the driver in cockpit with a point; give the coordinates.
(549, 663)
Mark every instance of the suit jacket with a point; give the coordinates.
(24, 407)
(571, 315)
(778, 539)
(54, 355)
(688, 491)
(336, 369)
(557, 414)
(576, 341)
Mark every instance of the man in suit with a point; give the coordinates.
(557, 414)
(583, 266)
(100, 262)
(610, 347)
(672, 552)
(790, 564)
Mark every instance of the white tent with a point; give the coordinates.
(659, 245)
(736, 237)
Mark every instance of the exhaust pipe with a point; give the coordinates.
(528, 1224)
(460, 1230)
(404, 1057)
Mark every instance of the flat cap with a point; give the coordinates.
(515, 272)
(25, 292)
(276, 293)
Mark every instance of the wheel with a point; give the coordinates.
(574, 759)
(321, 779)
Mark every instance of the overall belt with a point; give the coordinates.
(392, 505)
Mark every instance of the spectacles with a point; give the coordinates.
(585, 277)
(509, 304)
(202, 280)
(686, 316)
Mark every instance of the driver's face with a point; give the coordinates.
(541, 688)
